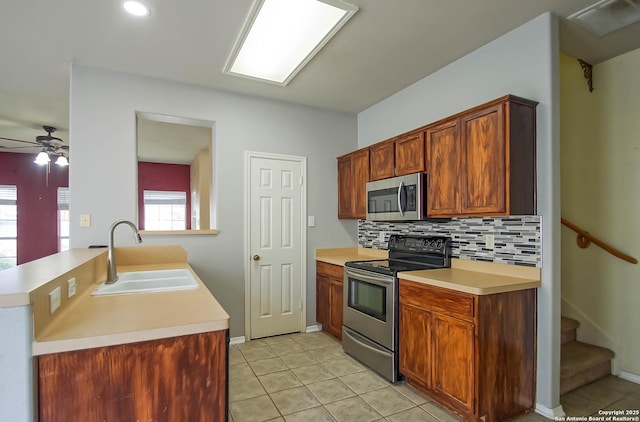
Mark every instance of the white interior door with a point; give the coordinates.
(275, 245)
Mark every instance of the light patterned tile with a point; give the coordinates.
(387, 401)
(313, 373)
(257, 409)
(294, 400)
(250, 344)
(327, 353)
(363, 382)
(278, 340)
(330, 390)
(267, 366)
(242, 389)
(235, 356)
(439, 413)
(282, 349)
(277, 381)
(296, 360)
(240, 371)
(411, 393)
(257, 353)
(315, 414)
(412, 415)
(629, 402)
(575, 404)
(353, 409)
(344, 366)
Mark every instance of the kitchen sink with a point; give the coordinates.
(148, 282)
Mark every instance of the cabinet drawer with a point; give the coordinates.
(438, 300)
(335, 271)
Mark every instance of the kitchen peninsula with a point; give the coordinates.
(133, 356)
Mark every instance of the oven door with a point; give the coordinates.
(370, 306)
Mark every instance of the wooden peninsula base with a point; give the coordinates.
(173, 379)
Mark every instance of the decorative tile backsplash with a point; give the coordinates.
(516, 238)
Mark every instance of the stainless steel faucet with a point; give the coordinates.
(112, 275)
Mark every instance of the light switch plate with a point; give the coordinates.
(85, 220)
(311, 221)
(381, 236)
(54, 300)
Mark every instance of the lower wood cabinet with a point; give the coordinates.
(475, 355)
(329, 293)
(175, 379)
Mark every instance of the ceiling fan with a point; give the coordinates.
(50, 146)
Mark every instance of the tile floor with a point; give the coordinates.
(307, 377)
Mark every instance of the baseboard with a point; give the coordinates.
(314, 328)
(629, 377)
(236, 340)
(550, 413)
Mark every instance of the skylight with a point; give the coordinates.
(281, 36)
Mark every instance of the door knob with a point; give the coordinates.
(256, 257)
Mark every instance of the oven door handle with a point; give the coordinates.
(381, 281)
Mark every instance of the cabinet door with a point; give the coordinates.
(483, 186)
(336, 294)
(322, 300)
(415, 344)
(360, 164)
(443, 169)
(453, 362)
(410, 154)
(345, 182)
(382, 158)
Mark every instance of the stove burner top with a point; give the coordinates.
(410, 253)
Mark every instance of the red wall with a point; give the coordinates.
(158, 176)
(37, 203)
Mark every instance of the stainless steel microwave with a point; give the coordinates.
(399, 198)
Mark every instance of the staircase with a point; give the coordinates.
(580, 363)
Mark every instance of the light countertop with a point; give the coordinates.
(338, 256)
(475, 277)
(95, 321)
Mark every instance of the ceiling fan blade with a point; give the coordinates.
(18, 140)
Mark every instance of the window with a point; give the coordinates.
(63, 219)
(8, 226)
(165, 210)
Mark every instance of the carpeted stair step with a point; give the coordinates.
(582, 363)
(568, 329)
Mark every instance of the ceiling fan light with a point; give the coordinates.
(62, 161)
(42, 158)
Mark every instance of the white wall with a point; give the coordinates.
(16, 364)
(600, 172)
(523, 62)
(102, 175)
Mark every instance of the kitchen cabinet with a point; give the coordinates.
(382, 160)
(329, 297)
(175, 379)
(482, 162)
(473, 354)
(353, 175)
(409, 153)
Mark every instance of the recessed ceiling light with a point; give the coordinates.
(136, 8)
(281, 36)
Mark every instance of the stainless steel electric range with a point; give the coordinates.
(370, 319)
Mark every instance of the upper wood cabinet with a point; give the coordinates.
(353, 175)
(409, 152)
(383, 160)
(482, 162)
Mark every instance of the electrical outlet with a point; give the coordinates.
(54, 299)
(71, 287)
(489, 241)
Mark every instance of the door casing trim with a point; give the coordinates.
(248, 156)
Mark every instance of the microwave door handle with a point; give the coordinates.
(400, 192)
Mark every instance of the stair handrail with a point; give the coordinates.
(585, 238)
